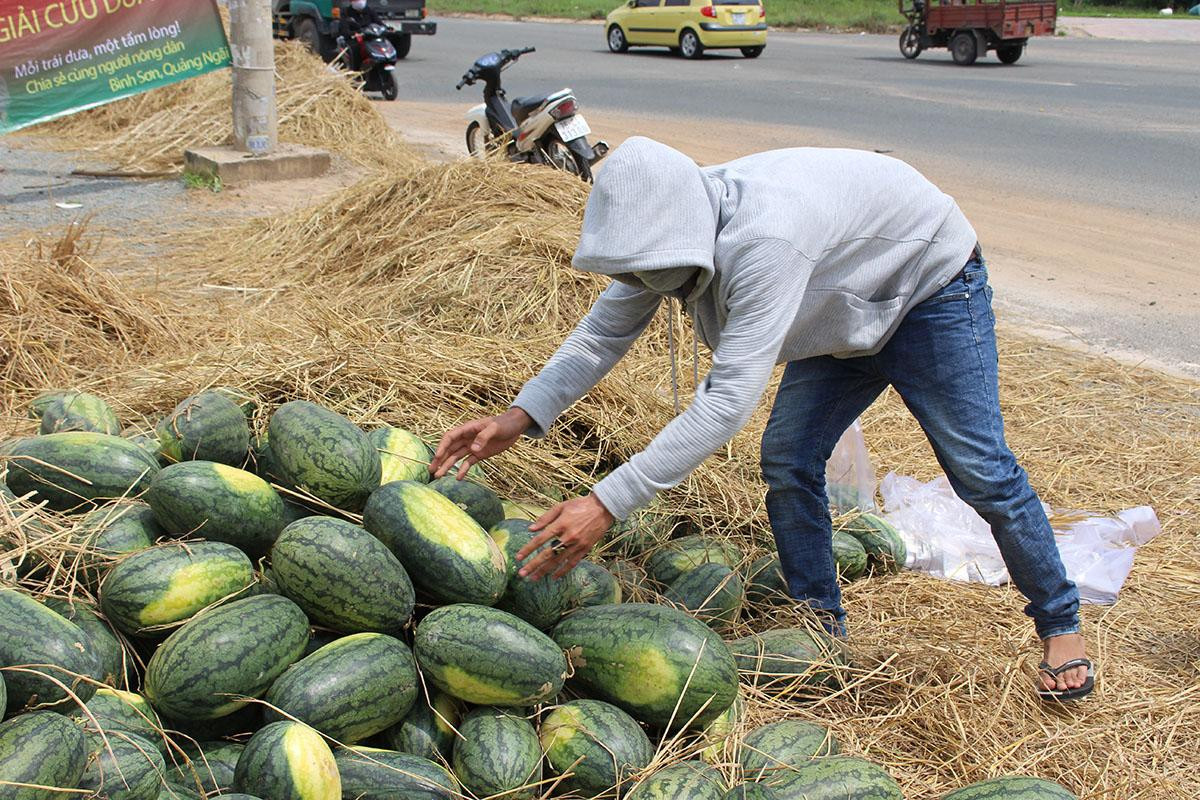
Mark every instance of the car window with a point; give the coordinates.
(735, 2)
(678, 2)
(647, 3)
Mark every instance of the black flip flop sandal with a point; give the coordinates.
(1059, 695)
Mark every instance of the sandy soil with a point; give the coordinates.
(1109, 280)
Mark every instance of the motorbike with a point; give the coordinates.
(376, 59)
(540, 129)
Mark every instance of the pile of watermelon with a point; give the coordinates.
(302, 615)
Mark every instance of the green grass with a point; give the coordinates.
(877, 16)
(202, 180)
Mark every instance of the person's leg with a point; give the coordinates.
(817, 400)
(943, 363)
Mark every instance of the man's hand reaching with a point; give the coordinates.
(477, 440)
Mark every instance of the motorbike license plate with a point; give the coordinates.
(739, 18)
(572, 128)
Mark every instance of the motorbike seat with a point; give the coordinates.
(522, 107)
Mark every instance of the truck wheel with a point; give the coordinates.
(403, 44)
(1009, 53)
(307, 32)
(910, 42)
(962, 48)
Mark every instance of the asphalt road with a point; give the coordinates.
(1090, 120)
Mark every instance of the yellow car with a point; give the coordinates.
(689, 27)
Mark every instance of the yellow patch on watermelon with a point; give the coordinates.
(402, 456)
(438, 520)
(189, 591)
(560, 727)
(646, 677)
(311, 765)
(445, 709)
(461, 683)
(238, 480)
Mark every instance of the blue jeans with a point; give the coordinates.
(942, 362)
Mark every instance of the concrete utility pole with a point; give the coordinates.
(255, 126)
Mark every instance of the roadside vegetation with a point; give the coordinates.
(876, 16)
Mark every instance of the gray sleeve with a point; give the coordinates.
(770, 285)
(598, 342)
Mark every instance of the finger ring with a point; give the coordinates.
(557, 546)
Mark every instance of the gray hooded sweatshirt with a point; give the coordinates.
(800, 253)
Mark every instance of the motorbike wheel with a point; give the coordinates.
(559, 156)
(476, 140)
(910, 42)
(387, 86)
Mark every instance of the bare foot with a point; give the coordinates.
(1059, 650)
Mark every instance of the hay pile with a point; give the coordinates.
(424, 297)
(317, 106)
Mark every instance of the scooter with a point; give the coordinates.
(541, 129)
(376, 59)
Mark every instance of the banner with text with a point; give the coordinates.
(62, 56)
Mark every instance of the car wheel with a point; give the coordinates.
(753, 52)
(962, 48)
(689, 44)
(616, 39)
(1009, 53)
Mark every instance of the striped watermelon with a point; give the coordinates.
(30, 633)
(79, 470)
(769, 750)
(765, 584)
(885, 549)
(123, 766)
(43, 749)
(719, 731)
(592, 585)
(787, 656)
(205, 427)
(112, 531)
(78, 411)
(497, 753)
(487, 656)
(598, 743)
(540, 602)
(510, 536)
(235, 650)
(247, 402)
(480, 502)
(146, 441)
(115, 710)
(205, 766)
(751, 791)
(39, 404)
(678, 556)
(712, 593)
(428, 730)
(343, 577)
(457, 560)
(323, 453)
(402, 455)
(1012, 787)
(288, 761)
(649, 659)
(168, 584)
(348, 690)
(219, 503)
(836, 778)
(687, 780)
(371, 774)
(526, 511)
(115, 665)
(849, 556)
(3, 697)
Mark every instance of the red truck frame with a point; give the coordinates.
(972, 27)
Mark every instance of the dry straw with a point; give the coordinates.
(427, 294)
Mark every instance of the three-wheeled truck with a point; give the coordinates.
(972, 27)
(316, 22)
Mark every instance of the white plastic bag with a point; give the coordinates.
(947, 539)
(849, 473)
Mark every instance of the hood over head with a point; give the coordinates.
(650, 212)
